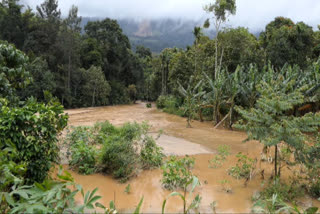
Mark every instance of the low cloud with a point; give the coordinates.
(254, 14)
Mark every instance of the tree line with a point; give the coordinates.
(80, 69)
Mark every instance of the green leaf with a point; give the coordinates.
(137, 210)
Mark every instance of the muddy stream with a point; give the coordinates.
(201, 142)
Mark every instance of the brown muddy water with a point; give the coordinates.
(200, 142)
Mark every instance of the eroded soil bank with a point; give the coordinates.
(201, 142)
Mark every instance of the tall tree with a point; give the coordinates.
(287, 42)
(220, 12)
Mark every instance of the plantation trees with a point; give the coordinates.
(270, 123)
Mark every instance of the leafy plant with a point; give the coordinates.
(127, 189)
(194, 182)
(177, 172)
(191, 94)
(52, 197)
(218, 160)
(275, 204)
(33, 128)
(83, 157)
(244, 168)
(285, 192)
(118, 157)
(148, 105)
(151, 155)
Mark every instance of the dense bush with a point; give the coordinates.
(170, 104)
(119, 157)
(177, 172)
(122, 150)
(33, 129)
(151, 155)
(83, 157)
(160, 103)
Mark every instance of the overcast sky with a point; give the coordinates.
(254, 14)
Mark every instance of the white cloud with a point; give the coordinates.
(254, 14)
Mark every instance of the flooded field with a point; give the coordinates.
(201, 142)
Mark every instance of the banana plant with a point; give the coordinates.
(217, 96)
(191, 95)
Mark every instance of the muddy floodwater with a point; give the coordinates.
(200, 142)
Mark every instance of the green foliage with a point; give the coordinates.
(43, 80)
(83, 157)
(96, 88)
(285, 192)
(148, 105)
(151, 155)
(287, 42)
(194, 205)
(33, 129)
(269, 121)
(161, 102)
(11, 171)
(118, 157)
(217, 160)
(177, 172)
(244, 168)
(274, 204)
(132, 91)
(127, 189)
(122, 151)
(13, 70)
(191, 95)
(52, 196)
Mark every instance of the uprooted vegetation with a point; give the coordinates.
(119, 151)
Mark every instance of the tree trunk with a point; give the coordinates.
(200, 114)
(275, 160)
(94, 91)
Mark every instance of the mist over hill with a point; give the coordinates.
(158, 34)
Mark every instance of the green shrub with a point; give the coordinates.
(83, 157)
(133, 131)
(285, 192)
(160, 103)
(148, 105)
(11, 172)
(244, 167)
(177, 172)
(118, 157)
(217, 160)
(151, 154)
(33, 129)
(124, 149)
(101, 130)
(79, 133)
